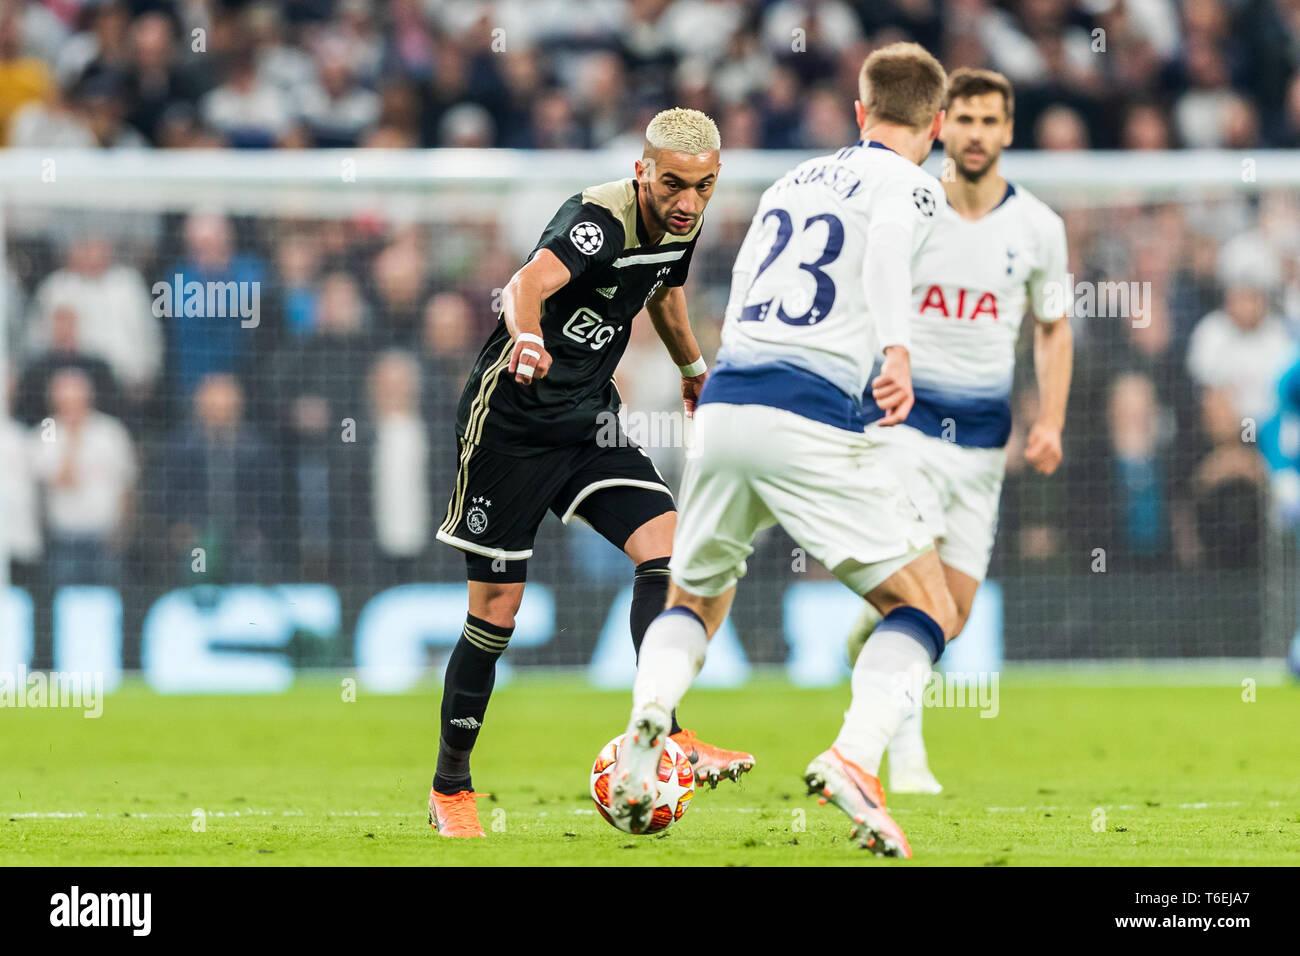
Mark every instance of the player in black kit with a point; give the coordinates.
(533, 425)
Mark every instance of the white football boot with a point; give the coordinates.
(634, 780)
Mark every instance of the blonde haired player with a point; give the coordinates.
(996, 252)
(820, 288)
(529, 425)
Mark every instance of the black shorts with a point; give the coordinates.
(500, 500)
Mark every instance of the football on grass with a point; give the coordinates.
(676, 785)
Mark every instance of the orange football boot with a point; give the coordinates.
(454, 815)
(712, 763)
(843, 783)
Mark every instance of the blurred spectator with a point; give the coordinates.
(1228, 490)
(1239, 128)
(398, 125)
(113, 309)
(601, 96)
(336, 109)
(466, 126)
(1288, 134)
(355, 29)
(828, 124)
(248, 111)
(701, 28)
(741, 127)
(1141, 506)
(450, 338)
(553, 125)
(205, 343)
(782, 110)
(447, 348)
(101, 102)
(222, 488)
(573, 73)
(156, 83)
(298, 260)
(399, 466)
(281, 62)
(399, 277)
(1200, 113)
(23, 79)
(321, 384)
(19, 504)
(1279, 442)
(87, 466)
(1145, 128)
(102, 47)
(1060, 128)
(52, 123)
(1243, 347)
(409, 44)
(1159, 462)
(32, 402)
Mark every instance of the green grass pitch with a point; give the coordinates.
(1065, 774)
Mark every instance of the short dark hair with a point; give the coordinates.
(965, 82)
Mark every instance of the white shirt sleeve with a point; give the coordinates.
(887, 282)
(900, 222)
(1047, 283)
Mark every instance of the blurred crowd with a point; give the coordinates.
(318, 443)
(147, 444)
(547, 74)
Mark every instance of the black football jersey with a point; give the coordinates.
(613, 267)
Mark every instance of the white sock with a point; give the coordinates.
(907, 746)
(672, 653)
(887, 681)
(867, 622)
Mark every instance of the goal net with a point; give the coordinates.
(232, 382)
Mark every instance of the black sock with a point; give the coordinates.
(649, 595)
(466, 689)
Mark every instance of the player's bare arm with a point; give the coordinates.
(667, 310)
(1053, 364)
(543, 276)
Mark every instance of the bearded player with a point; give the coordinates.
(530, 416)
(996, 252)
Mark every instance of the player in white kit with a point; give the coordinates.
(995, 253)
(820, 289)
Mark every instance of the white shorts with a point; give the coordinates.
(955, 488)
(751, 466)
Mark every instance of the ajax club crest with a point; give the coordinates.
(476, 519)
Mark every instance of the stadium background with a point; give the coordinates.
(283, 147)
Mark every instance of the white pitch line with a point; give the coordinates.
(577, 811)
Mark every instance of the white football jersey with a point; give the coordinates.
(972, 284)
(797, 293)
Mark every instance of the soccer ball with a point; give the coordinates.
(676, 785)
